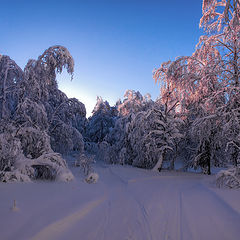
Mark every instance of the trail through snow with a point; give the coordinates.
(126, 204)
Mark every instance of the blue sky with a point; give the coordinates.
(116, 44)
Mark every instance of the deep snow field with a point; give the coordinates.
(125, 204)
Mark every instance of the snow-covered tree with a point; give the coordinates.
(133, 102)
(115, 146)
(31, 108)
(151, 135)
(30, 113)
(113, 149)
(66, 117)
(218, 13)
(206, 84)
(65, 138)
(66, 124)
(40, 75)
(85, 162)
(10, 147)
(100, 123)
(11, 77)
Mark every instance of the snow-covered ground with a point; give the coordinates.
(127, 203)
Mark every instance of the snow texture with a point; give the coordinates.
(125, 203)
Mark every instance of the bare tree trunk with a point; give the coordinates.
(158, 165)
(235, 64)
(235, 156)
(208, 157)
(172, 163)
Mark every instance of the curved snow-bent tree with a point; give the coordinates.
(30, 100)
(63, 114)
(40, 74)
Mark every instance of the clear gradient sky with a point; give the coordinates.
(115, 43)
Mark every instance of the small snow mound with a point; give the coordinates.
(92, 178)
(229, 178)
(65, 176)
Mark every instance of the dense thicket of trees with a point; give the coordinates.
(206, 87)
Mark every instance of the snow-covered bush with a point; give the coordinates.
(49, 166)
(26, 155)
(92, 178)
(85, 162)
(13, 176)
(229, 178)
(52, 166)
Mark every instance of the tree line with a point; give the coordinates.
(195, 120)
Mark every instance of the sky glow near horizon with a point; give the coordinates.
(115, 44)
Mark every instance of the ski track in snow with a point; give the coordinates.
(126, 204)
(54, 230)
